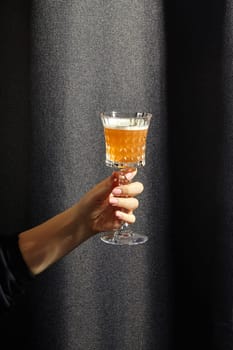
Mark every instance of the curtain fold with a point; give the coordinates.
(199, 109)
(63, 62)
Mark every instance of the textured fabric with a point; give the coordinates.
(89, 56)
(62, 62)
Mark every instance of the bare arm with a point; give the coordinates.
(99, 210)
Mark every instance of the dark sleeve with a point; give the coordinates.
(14, 273)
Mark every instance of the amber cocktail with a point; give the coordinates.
(125, 141)
(125, 145)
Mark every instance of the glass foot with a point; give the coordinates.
(126, 238)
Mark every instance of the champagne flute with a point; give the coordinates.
(125, 143)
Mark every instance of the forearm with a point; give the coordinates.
(96, 211)
(45, 244)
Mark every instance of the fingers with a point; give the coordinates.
(126, 217)
(102, 189)
(126, 203)
(123, 197)
(132, 189)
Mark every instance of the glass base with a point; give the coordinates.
(126, 238)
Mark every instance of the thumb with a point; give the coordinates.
(105, 187)
(124, 176)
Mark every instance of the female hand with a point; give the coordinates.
(101, 209)
(108, 204)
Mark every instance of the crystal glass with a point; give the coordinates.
(125, 141)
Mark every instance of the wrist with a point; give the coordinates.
(82, 229)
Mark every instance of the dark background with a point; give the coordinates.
(64, 60)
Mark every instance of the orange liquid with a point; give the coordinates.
(125, 145)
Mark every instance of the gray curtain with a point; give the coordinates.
(62, 62)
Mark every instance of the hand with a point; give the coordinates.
(108, 204)
(102, 209)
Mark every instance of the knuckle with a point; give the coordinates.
(126, 190)
(137, 188)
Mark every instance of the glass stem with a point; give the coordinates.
(123, 232)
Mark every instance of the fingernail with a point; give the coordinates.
(116, 191)
(113, 200)
(129, 176)
(119, 214)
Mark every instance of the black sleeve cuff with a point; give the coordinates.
(14, 273)
(16, 261)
